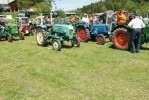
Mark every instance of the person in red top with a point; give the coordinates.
(92, 18)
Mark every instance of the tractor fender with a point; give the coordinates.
(82, 26)
(42, 27)
(121, 26)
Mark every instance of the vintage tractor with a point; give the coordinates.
(23, 25)
(58, 33)
(95, 30)
(122, 34)
(10, 31)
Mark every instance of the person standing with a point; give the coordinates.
(92, 18)
(136, 24)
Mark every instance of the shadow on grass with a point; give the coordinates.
(66, 46)
(144, 48)
(16, 40)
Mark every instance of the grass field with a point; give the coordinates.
(91, 72)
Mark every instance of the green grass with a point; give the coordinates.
(91, 72)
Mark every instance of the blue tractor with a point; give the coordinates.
(95, 30)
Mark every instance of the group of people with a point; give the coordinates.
(137, 25)
(86, 18)
(135, 22)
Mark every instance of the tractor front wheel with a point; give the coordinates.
(21, 36)
(121, 38)
(1, 35)
(100, 39)
(83, 34)
(56, 44)
(9, 38)
(41, 37)
(75, 42)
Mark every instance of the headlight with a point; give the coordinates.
(64, 31)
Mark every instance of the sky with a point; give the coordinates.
(69, 4)
(72, 4)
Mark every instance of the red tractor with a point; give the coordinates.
(121, 32)
(23, 25)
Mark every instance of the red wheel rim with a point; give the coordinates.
(82, 35)
(9, 38)
(100, 39)
(121, 39)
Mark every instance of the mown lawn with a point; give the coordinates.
(91, 72)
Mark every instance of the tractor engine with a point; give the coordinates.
(63, 31)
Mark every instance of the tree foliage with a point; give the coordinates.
(41, 5)
(61, 13)
(141, 6)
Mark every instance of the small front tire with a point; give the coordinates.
(21, 36)
(9, 38)
(56, 45)
(100, 39)
(75, 42)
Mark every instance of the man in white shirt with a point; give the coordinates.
(137, 25)
(85, 19)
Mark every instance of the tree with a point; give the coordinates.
(61, 13)
(24, 4)
(40, 5)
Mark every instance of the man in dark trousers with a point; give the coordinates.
(137, 25)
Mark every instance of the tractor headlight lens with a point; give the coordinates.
(64, 31)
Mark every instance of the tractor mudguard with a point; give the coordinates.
(42, 26)
(121, 26)
(82, 25)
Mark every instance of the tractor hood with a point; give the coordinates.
(101, 25)
(101, 28)
(62, 28)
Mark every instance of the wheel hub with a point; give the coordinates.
(55, 45)
(39, 38)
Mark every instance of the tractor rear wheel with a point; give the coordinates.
(75, 42)
(121, 38)
(9, 38)
(56, 44)
(100, 39)
(41, 37)
(83, 34)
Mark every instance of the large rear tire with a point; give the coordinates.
(83, 34)
(41, 37)
(121, 38)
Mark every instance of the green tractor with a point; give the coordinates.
(9, 31)
(58, 33)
